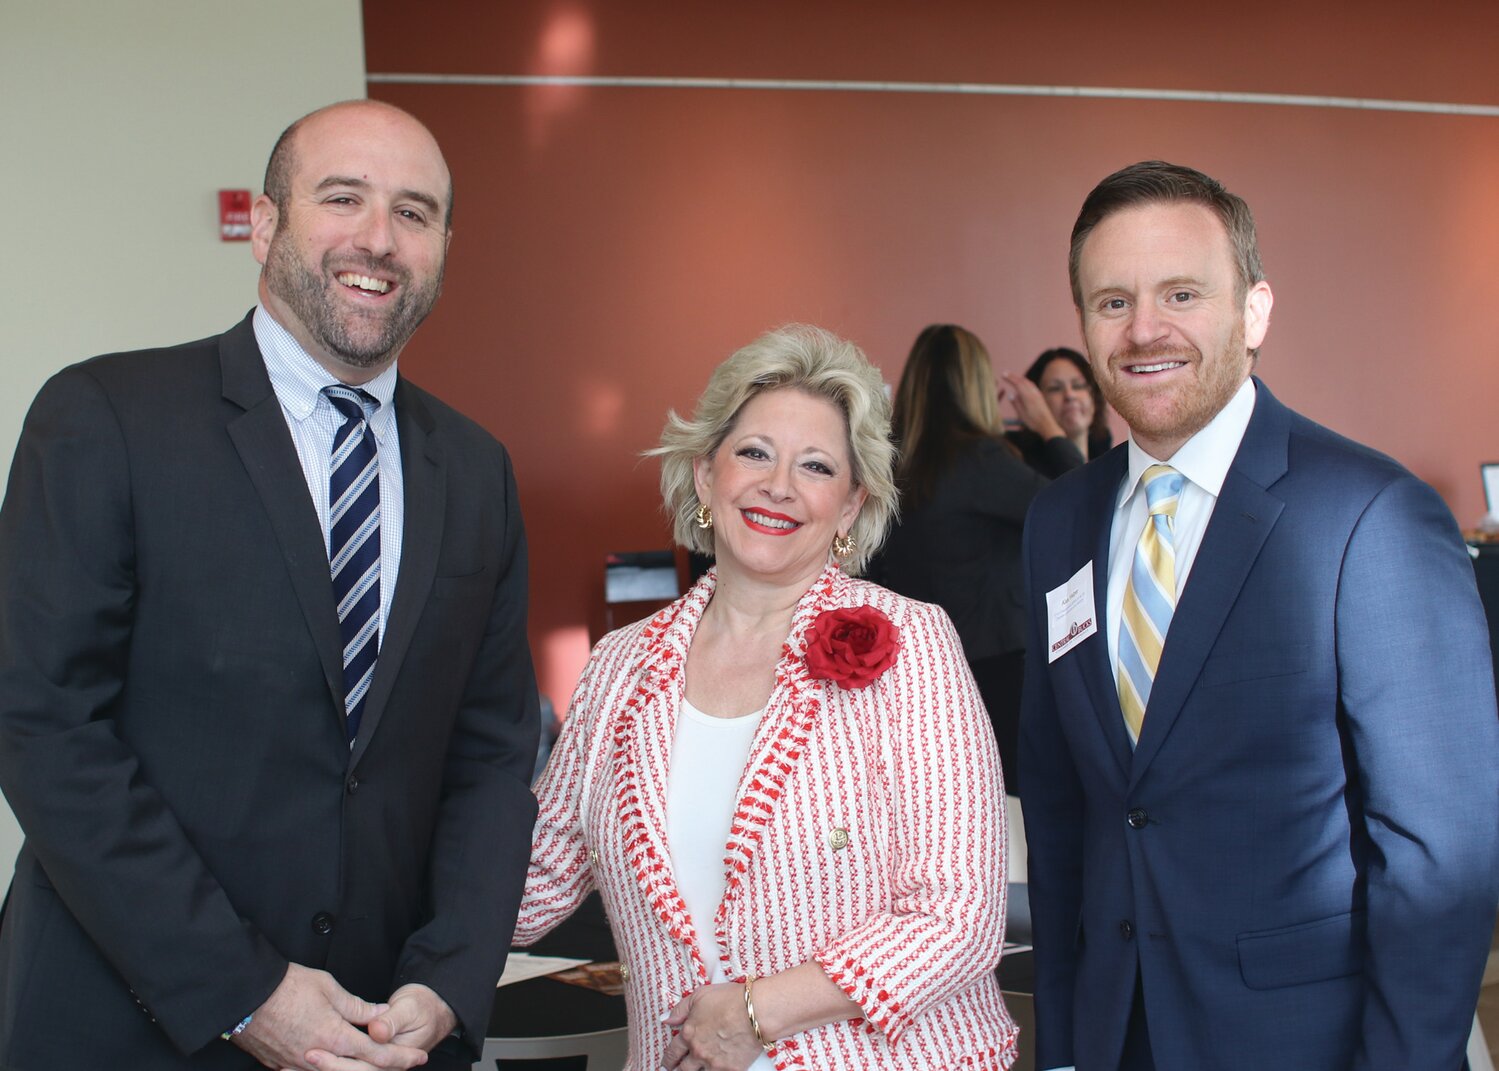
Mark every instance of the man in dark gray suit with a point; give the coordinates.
(259, 787)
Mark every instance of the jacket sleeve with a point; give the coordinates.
(481, 839)
(560, 878)
(101, 834)
(1051, 795)
(1057, 457)
(944, 926)
(1006, 486)
(1050, 457)
(1416, 691)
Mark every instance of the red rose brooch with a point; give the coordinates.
(851, 646)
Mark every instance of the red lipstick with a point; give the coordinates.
(786, 527)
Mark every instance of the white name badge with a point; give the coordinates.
(1070, 618)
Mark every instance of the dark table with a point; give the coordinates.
(545, 1007)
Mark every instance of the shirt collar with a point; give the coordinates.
(1204, 459)
(298, 380)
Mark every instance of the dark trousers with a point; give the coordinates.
(1137, 1055)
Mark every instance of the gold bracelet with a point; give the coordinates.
(749, 1006)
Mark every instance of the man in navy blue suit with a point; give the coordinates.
(1259, 749)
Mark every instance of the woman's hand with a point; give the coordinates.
(713, 1031)
(1030, 405)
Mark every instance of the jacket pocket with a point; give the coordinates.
(462, 586)
(1307, 952)
(1239, 664)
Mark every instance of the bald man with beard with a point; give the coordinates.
(273, 815)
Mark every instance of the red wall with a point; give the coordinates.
(612, 245)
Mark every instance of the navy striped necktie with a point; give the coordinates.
(354, 546)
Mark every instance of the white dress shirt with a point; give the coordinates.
(1204, 460)
(298, 381)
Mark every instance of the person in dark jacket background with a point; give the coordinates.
(964, 494)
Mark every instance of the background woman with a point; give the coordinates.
(783, 784)
(1066, 383)
(964, 492)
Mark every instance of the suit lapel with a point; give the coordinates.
(644, 737)
(1093, 540)
(1242, 520)
(647, 733)
(779, 744)
(424, 483)
(265, 448)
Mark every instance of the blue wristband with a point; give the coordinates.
(230, 1035)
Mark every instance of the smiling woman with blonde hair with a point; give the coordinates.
(783, 784)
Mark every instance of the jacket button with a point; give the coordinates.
(351, 786)
(1126, 929)
(141, 1005)
(1137, 818)
(322, 923)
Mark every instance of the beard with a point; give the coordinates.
(360, 338)
(1173, 414)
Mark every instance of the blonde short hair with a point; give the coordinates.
(808, 359)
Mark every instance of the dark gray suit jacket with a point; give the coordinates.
(171, 722)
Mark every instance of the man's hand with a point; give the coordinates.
(415, 1016)
(1030, 405)
(310, 1021)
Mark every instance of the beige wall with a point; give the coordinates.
(120, 122)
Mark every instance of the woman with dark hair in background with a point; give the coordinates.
(1072, 397)
(964, 494)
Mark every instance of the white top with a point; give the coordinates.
(1204, 460)
(708, 758)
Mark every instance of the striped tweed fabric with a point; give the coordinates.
(905, 913)
(1149, 596)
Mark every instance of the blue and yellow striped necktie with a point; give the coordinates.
(1149, 596)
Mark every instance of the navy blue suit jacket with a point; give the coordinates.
(1300, 858)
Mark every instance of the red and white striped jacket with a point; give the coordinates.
(905, 913)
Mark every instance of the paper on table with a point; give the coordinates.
(522, 966)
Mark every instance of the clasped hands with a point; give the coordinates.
(713, 1031)
(311, 1023)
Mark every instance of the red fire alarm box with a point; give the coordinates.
(234, 215)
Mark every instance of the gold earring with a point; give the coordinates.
(844, 546)
(704, 516)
